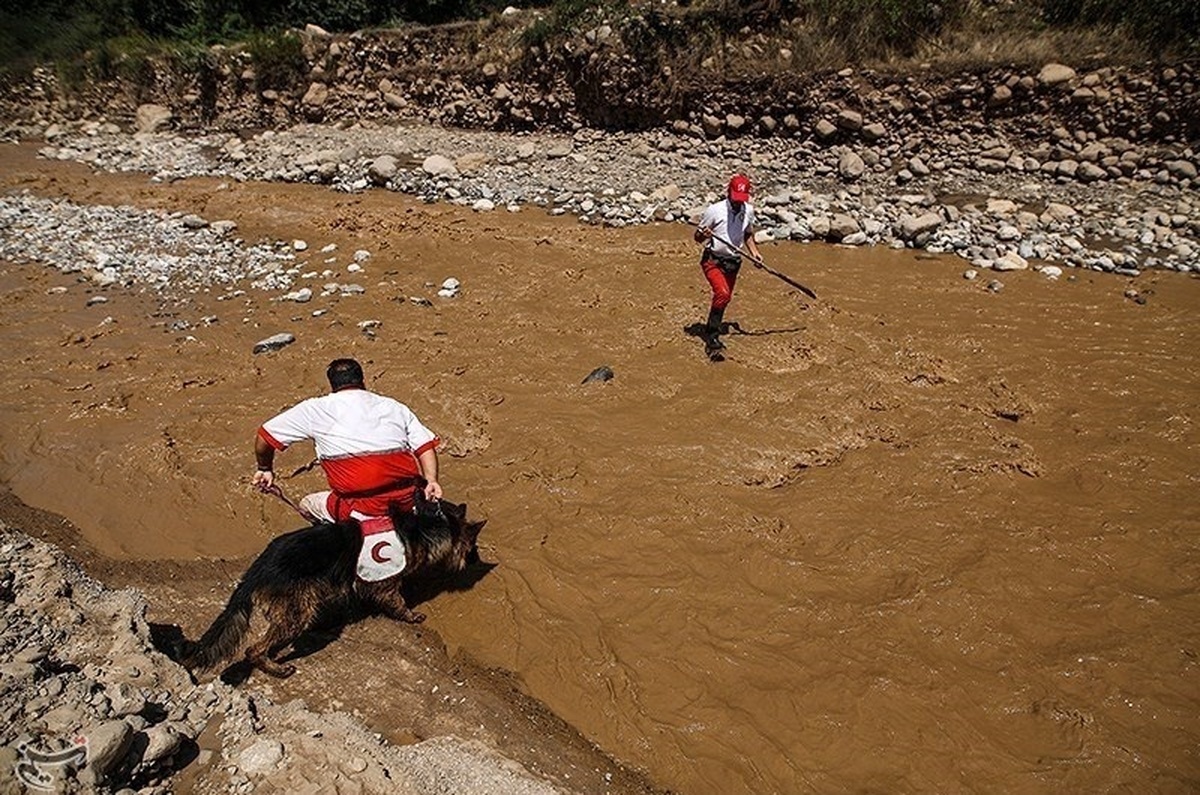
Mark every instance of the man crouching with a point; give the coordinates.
(373, 449)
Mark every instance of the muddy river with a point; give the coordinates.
(914, 536)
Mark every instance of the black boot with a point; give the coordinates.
(713, 329)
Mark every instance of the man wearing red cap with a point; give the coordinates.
(724, 228)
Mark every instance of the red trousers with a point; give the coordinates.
(721, 282)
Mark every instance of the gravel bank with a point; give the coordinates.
(804, 193)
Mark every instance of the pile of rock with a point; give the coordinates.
(618, 133)
(128, 246)
(607, 78)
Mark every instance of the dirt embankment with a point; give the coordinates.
(639, 72)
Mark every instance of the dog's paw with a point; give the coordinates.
(281, 671)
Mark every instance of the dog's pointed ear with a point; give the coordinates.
(456, 511)
(473, 529)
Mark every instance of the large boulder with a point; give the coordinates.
(152, 118)
(842, 226)
(382, 169)
(851, 166)
(1054, 73)
(438, 165)
(912, 226)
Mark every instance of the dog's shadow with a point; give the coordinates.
(331, 622)
(422, 588)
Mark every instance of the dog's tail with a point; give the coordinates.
(224, 636)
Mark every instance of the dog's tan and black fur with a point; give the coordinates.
(305, 572)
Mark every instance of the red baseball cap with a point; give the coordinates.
(739, 188)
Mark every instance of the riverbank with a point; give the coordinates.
(993, 219)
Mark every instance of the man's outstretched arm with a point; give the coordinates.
(264, 454)
(429, 470)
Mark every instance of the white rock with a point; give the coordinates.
(299, 245)
(152, 118)
(437, 166)
(1011, 261)
(274, 343)
(261, 758)
(1054, 73)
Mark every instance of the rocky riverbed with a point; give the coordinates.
(1027, 213)
(1052, 170)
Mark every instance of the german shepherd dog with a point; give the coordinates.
(304, 572)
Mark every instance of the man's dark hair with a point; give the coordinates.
(344, 373)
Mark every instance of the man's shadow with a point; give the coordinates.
(700, 330)
(333, 619)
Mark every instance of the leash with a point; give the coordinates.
(758, 263)
(275, 490)
(306, 468)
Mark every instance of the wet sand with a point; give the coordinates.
(913, 536)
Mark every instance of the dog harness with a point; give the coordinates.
(382, 554)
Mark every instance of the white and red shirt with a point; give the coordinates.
(725, 222)
(367, 445)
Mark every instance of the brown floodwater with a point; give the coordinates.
(911, 537)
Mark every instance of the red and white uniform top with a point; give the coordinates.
(367, 445)
(729, 224)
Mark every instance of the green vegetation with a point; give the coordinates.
(278, 59)
(106, 37)
(1160, 23)
(565, 16)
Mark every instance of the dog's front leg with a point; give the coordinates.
(390, 601)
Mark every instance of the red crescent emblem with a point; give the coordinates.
(375, 556)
